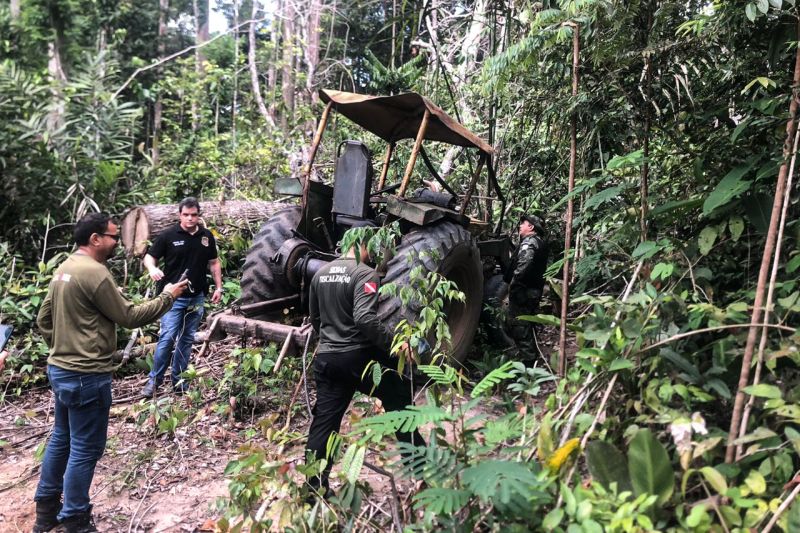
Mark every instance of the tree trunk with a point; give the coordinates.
(15, 10)
(287, 76)
(272, 70)
(573, 160)
(158, 108)
(201, 36)
(769, 247)
(251, 60)
(141, 223)
(312, 48)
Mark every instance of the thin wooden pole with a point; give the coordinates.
(573, 160)
(385, 170)
(473, 182)
(414, 153)
(323, 121)
(769, 247)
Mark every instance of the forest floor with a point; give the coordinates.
(151, 481)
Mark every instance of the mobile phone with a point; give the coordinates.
(184, 275)
(5, 334)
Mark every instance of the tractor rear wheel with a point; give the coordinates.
(448, 249)
(261, 280)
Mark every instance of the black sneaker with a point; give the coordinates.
(149, 390)
(47, 510)
(80, 523)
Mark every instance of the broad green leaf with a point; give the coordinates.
(646, 250)
(353, 462)
(662, 271)
(696, 515)
(633, 159)
(676, 205)
(793, 263)
(604, 196)
(758, 434)
(763, 390)
(547, 320)
(750, 11)
(607, 465)
(715, 479)
(777, 4)
(762, 5)
(736, 227)
(729, 188)
(620, 364)
(553, 518)
(649, 466)
(758, 208)
(793, 518)
(756, 482)
(707, 238)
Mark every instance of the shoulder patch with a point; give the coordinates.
(204, 241)
(370, 287)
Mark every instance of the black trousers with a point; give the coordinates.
(338, 377)
(524, 301)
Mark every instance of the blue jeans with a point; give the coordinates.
(82, 404)
(175, 338)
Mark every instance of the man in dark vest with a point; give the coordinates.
(525, 277)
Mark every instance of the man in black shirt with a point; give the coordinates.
(343, 302)
(186, 248)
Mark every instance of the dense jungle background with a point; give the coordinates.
(679, 406)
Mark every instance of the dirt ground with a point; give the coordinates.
(148, 482)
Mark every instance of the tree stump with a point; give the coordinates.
(142, 223)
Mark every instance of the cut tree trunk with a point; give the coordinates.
(141, 223)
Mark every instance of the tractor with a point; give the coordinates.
(296, 241)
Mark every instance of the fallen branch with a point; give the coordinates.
(680, 336)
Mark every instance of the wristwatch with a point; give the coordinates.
(218, 289)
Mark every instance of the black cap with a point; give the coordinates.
(535, 221)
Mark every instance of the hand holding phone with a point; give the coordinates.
(5, 334)
(184, 275)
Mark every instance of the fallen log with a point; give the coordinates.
(141, 223)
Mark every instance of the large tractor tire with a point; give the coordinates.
(450, 251)
(495, 311)
(261, 280)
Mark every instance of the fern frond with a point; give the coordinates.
(441, 375)
(490, 479)
(441, 501)
(493, 378)
(434, 464)
(376, 427)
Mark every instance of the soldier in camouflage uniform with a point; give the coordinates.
(525, 277)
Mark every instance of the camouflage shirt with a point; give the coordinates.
(529, 263)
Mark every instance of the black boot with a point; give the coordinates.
(47, 510)
(80, 523)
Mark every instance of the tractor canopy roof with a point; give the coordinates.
(393, 118)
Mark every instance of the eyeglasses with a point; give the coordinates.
(115, 237)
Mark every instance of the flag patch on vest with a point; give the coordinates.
(64, 277)
(370, 287)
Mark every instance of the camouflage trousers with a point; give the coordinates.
(523, 301)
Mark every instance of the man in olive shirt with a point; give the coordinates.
(78, 321)
(343, 302)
